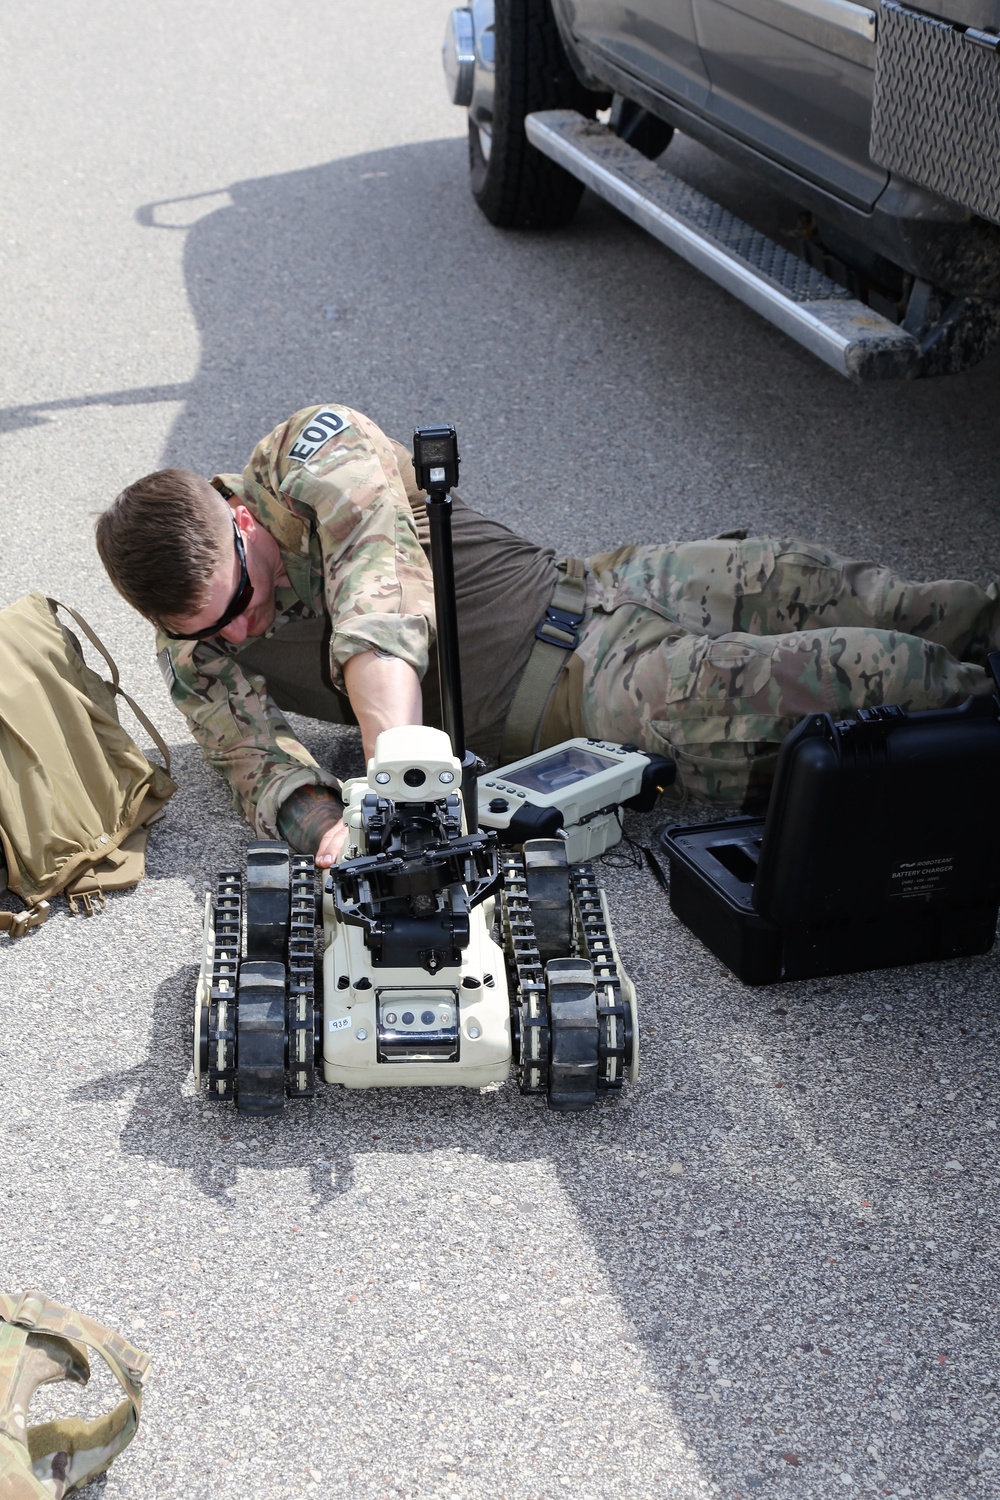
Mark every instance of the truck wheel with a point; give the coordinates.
(516, 186)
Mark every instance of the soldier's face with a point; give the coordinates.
(243, 577)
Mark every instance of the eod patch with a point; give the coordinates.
(317, 431)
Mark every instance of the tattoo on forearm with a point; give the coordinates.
(306, 815)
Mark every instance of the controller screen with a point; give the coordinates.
(559, 770)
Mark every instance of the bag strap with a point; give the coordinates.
(149, 727)
(39, 1314)
(17, 922)
(91, 635)
(116, 686)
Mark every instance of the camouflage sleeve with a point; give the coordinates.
(239, 729)
(336, 464)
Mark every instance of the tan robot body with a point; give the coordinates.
(387, 1025)
(395, 1030)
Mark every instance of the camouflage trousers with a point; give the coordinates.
(710, 652)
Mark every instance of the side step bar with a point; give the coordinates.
(799, 300)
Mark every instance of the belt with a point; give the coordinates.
(557, 634)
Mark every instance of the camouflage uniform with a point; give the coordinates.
(42, 1341)
(710, 652)
(326, 485)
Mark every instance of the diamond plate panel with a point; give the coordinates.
(824, 317)
(936, 109)
(789, 273)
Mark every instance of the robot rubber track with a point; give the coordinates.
(573, 1012)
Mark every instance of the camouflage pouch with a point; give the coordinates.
(40, 1342)
(77, 795)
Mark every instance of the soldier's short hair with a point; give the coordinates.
(160, 543)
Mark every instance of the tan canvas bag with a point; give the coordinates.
(77, 795)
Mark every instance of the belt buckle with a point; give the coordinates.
(559, 627)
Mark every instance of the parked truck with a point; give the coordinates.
(881, 123)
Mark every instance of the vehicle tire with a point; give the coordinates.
(261, 1038)
(574, 1029)
(267, 900)
(516, 186)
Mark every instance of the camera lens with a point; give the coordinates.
(427, 1016)
(414, 776)
(407, 1018)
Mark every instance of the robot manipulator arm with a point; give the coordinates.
(419, 875)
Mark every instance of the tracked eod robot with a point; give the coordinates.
(450, 950)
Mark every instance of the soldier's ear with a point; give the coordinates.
(245, 519)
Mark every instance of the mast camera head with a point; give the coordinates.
(414, 764)
(435, 458)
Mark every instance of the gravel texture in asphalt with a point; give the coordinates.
(771, 1267)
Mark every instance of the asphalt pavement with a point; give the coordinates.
(771, 1267)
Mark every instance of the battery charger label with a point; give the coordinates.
(918, 879)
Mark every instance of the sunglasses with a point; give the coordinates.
(237, 604)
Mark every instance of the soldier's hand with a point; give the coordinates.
(331, 844)
(311, 820)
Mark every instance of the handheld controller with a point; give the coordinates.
(572, 792)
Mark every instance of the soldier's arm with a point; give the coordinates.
(239, 730)
(384, 693)
(311, 821)
(377, 580)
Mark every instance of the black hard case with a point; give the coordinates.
(881, 846)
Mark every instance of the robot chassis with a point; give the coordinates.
(444, 959)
